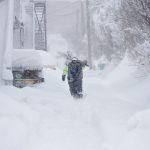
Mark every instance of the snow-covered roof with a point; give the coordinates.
(31, 59)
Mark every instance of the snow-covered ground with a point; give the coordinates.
(113, 115)
(47, 117)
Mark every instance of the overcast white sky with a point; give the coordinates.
(60, 17)
(63, 0)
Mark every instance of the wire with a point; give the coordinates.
(56, 19)
(67, 14)
(59, 9)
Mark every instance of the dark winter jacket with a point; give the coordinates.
(74, 70)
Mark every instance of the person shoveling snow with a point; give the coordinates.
(74, 70)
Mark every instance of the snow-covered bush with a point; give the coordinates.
(141, 58)
(121, 26)
(106, 29)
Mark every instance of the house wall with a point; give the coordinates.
(3, 20)
(23, 11)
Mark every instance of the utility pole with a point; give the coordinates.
(89, 34)
(77, 23)
(82, 19)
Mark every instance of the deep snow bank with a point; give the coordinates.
(46, 116)
(124, 81)
(123, 73)
(128, 87)
(17, 122)
(137, 134)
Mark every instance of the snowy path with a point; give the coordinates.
(57, 121)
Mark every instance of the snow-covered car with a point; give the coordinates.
(27, 66)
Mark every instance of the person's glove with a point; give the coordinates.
(63, 77)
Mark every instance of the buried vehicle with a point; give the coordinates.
(28, 65)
